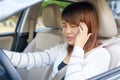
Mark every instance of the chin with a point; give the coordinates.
(70, 43)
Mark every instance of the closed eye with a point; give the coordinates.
(74, 26)
(64, 25)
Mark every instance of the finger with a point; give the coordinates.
(84, 27)
(81, 25)
(80, 30)
(88, 36)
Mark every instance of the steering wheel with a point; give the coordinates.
(8, 67)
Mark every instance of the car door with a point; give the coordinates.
(8, 32)
(13, 35)
(16, 25)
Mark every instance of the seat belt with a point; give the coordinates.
(60, 74)
(31, 30)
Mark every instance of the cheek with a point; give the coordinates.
(63, 31)
(76, 31)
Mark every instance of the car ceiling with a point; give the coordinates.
(10, 9)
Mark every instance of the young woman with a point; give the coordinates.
(80, 28)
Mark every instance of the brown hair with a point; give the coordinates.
(83, 12)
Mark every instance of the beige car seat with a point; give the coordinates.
(108, 31)
(51, 17)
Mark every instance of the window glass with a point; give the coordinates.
(115, 7)
(9, 25)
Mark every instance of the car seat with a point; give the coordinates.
(108, 31)
(51, 17)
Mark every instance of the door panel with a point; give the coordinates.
(6, 42)
(8, 31)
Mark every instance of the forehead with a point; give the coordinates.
(64, 23)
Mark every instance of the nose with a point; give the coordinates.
(68, 29)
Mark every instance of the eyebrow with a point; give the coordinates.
(64, 23)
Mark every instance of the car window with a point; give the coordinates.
(114, 6)
(9, 8)
(9, 24)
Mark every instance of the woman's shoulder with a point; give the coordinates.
(100, 52)
(100, 49)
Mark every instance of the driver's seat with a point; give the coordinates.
(108, 31)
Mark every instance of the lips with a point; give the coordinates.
(69, 38)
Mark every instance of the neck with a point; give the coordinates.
(69, 49)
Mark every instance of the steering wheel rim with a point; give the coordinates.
(8, 66)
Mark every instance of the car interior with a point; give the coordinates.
(109, 33)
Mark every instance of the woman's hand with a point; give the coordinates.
(82, 36)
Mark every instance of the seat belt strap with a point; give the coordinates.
(31, 30)
(60, 74)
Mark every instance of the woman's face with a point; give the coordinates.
(70, 32)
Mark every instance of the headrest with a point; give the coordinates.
(107, 25)
(51, 16)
